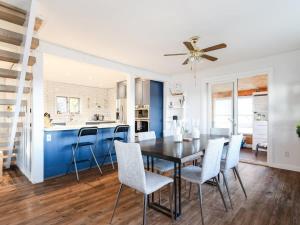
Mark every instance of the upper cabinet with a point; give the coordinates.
(142, 92)
(121, 90)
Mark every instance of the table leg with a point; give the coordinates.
(175, 190)
(152, 169)
(148, 168)
(179, 188)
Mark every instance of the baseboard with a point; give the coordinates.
(284, 167)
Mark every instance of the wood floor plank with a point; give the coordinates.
(273, 198)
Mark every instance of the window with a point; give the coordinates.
(61, 105)
(66, 105)
(222, 112)
(245, 114)
(74, 105)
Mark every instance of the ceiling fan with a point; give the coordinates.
(195, 53)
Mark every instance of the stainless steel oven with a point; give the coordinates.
(142, 126)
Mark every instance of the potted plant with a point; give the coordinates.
(298, 129)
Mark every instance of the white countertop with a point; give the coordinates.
(77, 127)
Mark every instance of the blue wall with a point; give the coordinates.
(156, 107)
(58, 152)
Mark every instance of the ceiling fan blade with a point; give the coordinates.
(189, 45)
(211, 58)
(175, 54)
(185, 61)
(215, 47)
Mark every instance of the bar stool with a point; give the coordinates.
(84, 132)
(118, 129)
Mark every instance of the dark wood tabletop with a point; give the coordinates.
(180, 152)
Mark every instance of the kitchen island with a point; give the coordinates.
(58, 151)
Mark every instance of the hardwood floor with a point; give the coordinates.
(273, 198)
(248, 155)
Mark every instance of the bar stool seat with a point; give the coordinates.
(82, 134)
(82, 144)
(115, 138)
(110, 140)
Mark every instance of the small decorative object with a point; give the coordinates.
(298, 129)
(178, 135)
(47, 120)
(195, 133)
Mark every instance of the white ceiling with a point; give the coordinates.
(69, 71)
(139, 32)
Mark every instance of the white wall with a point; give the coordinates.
(284, 100)
(90, 98)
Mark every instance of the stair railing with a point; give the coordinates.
(30, 21)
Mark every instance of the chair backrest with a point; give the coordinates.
(143, 136)
(86, 131)
(121, 128)
(212, 159)
(233, 153)
(130, 165)
(220, 131)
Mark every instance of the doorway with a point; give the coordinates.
(240, 106)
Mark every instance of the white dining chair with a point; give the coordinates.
(143, 136)
(131, 173)
(231, 161)
(209, 170)
(160, 165)
(220, 131)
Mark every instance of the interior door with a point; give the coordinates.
(222, 99)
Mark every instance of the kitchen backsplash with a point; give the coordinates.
(92, 101)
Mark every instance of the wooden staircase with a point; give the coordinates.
(15, 84)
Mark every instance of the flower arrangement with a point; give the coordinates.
(298, 129)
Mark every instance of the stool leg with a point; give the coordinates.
(112, 162)
(256, 152)
(74, 160)
(95, 159)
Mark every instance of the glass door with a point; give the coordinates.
(222, 100)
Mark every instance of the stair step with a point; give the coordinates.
(10, 114)
(8, 125)
(6, 144)
(12, 89)
(13, 74)
(16, 15)
(16, 38)
(14, 155)
(6, 135)
(11, 102)
(5, 149)
(14, 57)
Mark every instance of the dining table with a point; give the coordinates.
(178, 153)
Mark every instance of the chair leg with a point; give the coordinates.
(145, 209)
(234, 174)
(240, 180)
(221, 193)
(75, 165)
(171, 201)
(200, 198)
(226, 185)
(116, 203)
(95, 160)
(190, 190)
(111, 160)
